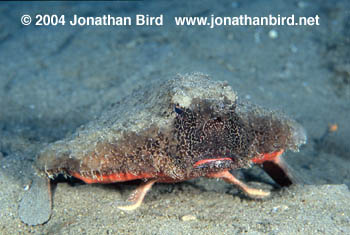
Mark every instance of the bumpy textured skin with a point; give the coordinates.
(162, 130)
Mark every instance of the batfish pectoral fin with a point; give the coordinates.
(274, 165)
(279, 171)
(36, 205)
(136, 198)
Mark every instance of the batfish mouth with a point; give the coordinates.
(211, 161)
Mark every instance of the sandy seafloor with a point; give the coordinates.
(54, 79)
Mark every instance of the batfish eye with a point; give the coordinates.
(178, 110)
(218, 119)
